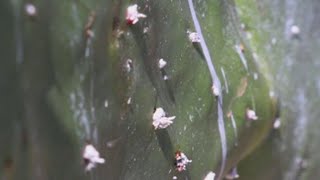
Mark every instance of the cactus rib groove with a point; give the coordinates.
(216, 82)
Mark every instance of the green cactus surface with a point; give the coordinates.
(75, 72)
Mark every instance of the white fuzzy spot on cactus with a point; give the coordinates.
(251, 114)
(193, 37)
(132, 14)
(295, 30)
(271, 94)
(129, 100)
(30, 9)
(210, 176)
(129, 65)
(277, 124)
(255, 76)
(215, 90)
(90, 33)
(91, 157)
(146, 30)
(160, 121)
(106, 104)
(233, 174)
(243, 26)
(273, 40)
(162, 63)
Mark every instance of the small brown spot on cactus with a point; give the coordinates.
(8, 163)
(8, 168)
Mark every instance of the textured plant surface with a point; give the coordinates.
(75, 71)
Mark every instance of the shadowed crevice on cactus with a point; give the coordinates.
(148, 48)
(165, 144)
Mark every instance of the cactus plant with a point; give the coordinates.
(80, 72)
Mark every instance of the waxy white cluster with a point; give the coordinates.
(215, 90)
(160, 121)
(251, 114)
(181, 161)
(91, 157)
(162, 63)
(194, 37)
(132, 15)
